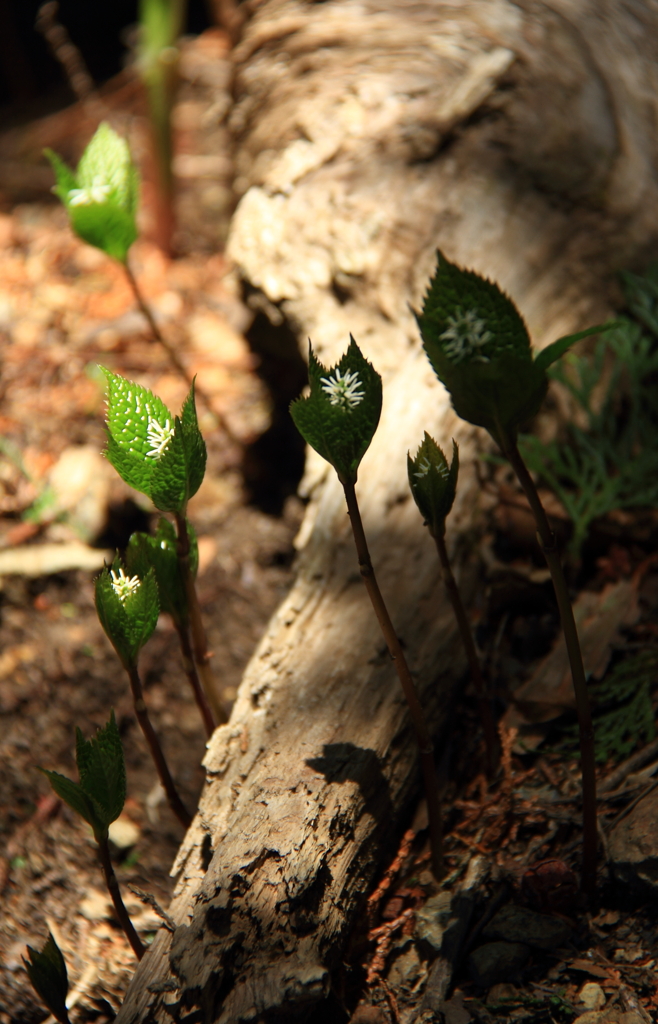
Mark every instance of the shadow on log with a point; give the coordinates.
(520, 137)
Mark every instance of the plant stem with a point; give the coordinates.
(397, 655)
(548, 543)
(454, 596)
(183, 631)
(173, 355)
(151, 738)
(199, 640)
(115, 893)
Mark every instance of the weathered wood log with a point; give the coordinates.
(520, 137)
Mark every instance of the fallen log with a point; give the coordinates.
(520, 138)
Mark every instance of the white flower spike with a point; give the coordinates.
(424, 466)
(158, 437)
(465, 336)
(343, 390)
(96, 193)
(124, 585)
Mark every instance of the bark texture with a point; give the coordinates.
(521, 138)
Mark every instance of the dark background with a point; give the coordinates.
(31, 80)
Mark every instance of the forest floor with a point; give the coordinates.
(512, 842)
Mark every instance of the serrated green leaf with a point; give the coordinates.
(479, 348)
(340, 416)
(105, 226)
(101, 197)
(74, 795)
(128, 610)
(169, 479)
(102, 770)
(65, 179)
(552, 352)
(140, 429)
(469, 318)
(195, 446)
(49, 977)
(433, 482)
(162, 455)
(107, 159)
(160, 553)
(130, 467)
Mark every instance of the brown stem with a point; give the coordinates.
(454, 596)
(153, 742)
(183, 631)
(173, 355)
(549, 547)
(200, 650)
(115, 893)
(397, 655)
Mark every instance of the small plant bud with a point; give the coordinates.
(47, 972)
(101, 196)
(100, 795)
(160, 553)
(340, 416)
(433, 483)
(128, 610)
(161, 455)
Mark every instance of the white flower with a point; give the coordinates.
(158, 437)
(96, 193)
(465, 336)
(124, 585)
(424, 466)
(343, 390)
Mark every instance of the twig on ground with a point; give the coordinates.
(377, 896)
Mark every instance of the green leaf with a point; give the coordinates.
(140, 428)
(479, 348)
(433, 482)
(340, 416)
(101, 197)
(195, 446)
(102, 769)
(49, 977)
(128, 609)
(100, 795)
(105, 226)
(468, 318)
(552, 352)
(499, 395)
(169, 480)
(64, 176)
(160, 553)
(74, 795)
(162, 455)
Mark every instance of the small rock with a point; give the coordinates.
(455, 1012)
(407, 967)
(497, 961)
(612, 1016)
(500, 993)
(592, 995)
(96, 906)
(633, 846)
(367, 1014)
(124, 833)
(517, 924)
(432, 920)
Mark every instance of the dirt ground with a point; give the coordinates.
(64, 308)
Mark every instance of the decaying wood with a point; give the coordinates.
(520, 138)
